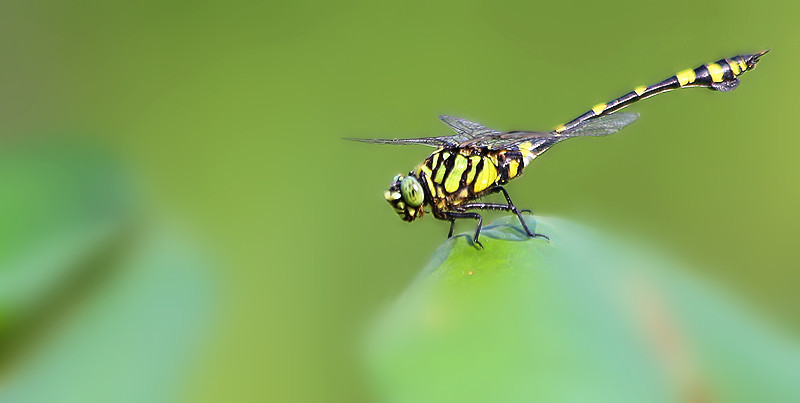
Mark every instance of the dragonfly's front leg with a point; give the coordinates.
(452, 215)
(503, 207)
(452, 226)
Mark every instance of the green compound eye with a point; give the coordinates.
(412, 191)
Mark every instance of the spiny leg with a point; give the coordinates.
(451, 216)
(510, 207)
(503, 207)
(508, 198)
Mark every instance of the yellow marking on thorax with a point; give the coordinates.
(599, 108)
(486, 177)
(439, 178)
(716, 72)
(475, 159)
(686, 77)
(640, 90)
(561, 128)
(453, 180)
(435, 160)
(734, 67)
(513, 167)
(742, 65)
(428, 175)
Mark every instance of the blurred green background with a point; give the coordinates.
(227, 118)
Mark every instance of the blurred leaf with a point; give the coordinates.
(582, 318)
(101, 299)
(63, 204)
(133, 339)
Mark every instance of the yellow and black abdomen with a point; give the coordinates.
(721, 75)
(455, 176)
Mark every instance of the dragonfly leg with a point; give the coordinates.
(508, 198)
(519, 212)
(503, 207)
(452, 226)
(451, 216)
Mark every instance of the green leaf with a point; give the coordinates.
(65, 211)
(101, 300)
(580, 318)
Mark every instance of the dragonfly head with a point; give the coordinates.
(406, 196)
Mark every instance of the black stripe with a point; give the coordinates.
(727, 73)
(664, 86)
(448, 165)
(439, 165)
(702, 76)
(621, 102)
(478, 170)
(463, 182)
(423, 178)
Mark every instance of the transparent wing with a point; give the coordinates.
(465, 131)
(601, 126)
(472, 134)
(445, 141)
(500, 141)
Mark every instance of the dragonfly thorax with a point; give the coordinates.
(406, 196)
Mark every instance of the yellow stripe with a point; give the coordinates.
(640, 90)
(513, 166)
(734, 67)
(742, 65)
(716, 72)
(424, 168)
(599, 108)
(686, 77)
(454, 176)
(486, 177)
(435, 160)
(440, 173)
(428, 174)
(561, 128)
(471, 174)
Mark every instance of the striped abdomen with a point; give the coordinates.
(455, 176)
(719, 76)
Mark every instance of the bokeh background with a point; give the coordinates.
(182, 221)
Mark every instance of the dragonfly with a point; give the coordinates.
(477, 161)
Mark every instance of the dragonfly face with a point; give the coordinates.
(406, 196)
